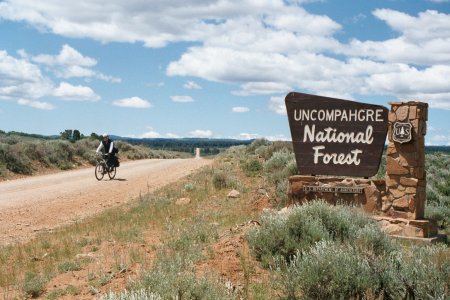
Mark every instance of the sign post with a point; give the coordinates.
(336, 137)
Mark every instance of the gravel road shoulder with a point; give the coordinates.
(42, 203)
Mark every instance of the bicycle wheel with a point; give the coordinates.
(112, 172)
(99, 171)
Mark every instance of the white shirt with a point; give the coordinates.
(101, 146)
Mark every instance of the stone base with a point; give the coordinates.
(371, 192)
(407, 228)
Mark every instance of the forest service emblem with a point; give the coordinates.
(402, 132)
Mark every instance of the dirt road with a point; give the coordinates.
(35, 204)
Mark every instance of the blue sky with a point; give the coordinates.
(214, 68)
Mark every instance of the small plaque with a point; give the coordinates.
(333, 189)
(402, 132)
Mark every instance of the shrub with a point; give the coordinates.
(15, 159)
(327, 270)
(61, 154)
(33, 284)
(67, 266)
(425, 272)
(251, 167)
(326, 252)
(256, 144)
(282, 235)
(173, 277)
(223, 179)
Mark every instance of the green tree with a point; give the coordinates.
(67, 134)
(95, 136)
(76, 135)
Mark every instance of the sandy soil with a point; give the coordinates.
(35, 204)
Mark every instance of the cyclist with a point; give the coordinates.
(108, 146)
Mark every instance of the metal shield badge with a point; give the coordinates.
(402, 132)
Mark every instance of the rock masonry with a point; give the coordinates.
(405, 163)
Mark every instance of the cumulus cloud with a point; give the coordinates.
(36, 104)
(249, 136)
(201, 133)
(439, 140)
(276, 104)
(134, 102)
(262, 88)
(422, 40)
(240, 109)
(172, 136)
(182, 99)
(67, 56)
(253, 136)
(191, 85)
(71, 63)
(150, 135)
(21, 79)
(266, 47)
(69, 92)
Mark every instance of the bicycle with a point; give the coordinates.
(102, 168)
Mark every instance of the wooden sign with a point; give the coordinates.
(336, 137)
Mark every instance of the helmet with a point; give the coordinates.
(105, 135)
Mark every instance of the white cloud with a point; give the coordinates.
(36, 104)
(249, 136)
(426, 26)
(141, 21)
(277, 105)
(69, 92)
(20, 79)
(67, 56)
(423, 40)
(262, 88)
(191, 85)
(266, 47)
(71, 63)
(172, 136)
(150, 135)
(252, 136)
(296, 18)
(201, 133)
(134, 102)
(439, 140)
(182, 99)
(240, 109)
(429, 85)
(278, 137)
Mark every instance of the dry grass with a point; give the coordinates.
(120, 246)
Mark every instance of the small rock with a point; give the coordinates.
(183, 201)
(233, 194)
(285, 210)
(262, 192)
(85, 255)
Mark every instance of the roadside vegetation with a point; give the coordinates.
(190, 240)
(28, 154)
